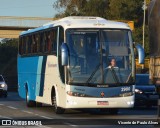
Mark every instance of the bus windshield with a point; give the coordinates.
(100, 56)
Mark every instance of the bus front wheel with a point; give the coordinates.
(58, 110)
(29, 103)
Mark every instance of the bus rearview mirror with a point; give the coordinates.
(141, 54)
(64, 54)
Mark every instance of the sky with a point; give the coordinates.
(27, 8)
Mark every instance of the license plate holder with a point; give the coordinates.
(102, 103)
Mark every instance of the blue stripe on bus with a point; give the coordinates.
(108, 92)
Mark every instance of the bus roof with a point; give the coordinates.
(80, 22)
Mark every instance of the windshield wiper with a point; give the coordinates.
(130, 79)
(114, 75)
(93, 73)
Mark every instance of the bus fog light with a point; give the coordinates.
(130, 102)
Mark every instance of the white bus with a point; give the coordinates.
(66, 63)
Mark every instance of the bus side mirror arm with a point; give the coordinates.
(141, 54)
(64, 54)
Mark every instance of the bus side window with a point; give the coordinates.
(54, 41)
(46, 42)
(32, 44)
(29, 44)
(48, 45)
(51, 41)
(43, 42)
(37, 42)
(23, 45)
(26, 44)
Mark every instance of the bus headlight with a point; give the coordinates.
(138, 91)
(76, 94)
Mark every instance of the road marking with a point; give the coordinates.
(11, 107)
(70, 124)
(45, 117)
(27, 111)
(36, 114)
(5, 117)
(43, 126)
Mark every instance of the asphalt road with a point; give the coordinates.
(13, 107)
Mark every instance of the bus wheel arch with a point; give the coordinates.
(57, 109)
(29, 102)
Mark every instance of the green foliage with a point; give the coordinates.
(82, 7)
(137, 36)
(126, 9)
(109, 9)
(95, 8)
(8, 62)
(8, 55)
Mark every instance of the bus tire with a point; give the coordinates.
(29, 103)
(58, 110)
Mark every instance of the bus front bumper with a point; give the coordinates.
(83, 102)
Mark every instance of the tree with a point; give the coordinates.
(109, 9)
(126, 10)
(96, 8)
(82, 7)
(137, 36)
(70, 7)
(8, 61)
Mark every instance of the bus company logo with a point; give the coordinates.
(50, 65)
(102, 94)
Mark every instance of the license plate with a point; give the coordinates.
(102, 103)
(153, 96)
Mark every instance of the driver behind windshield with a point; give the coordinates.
(112, 63)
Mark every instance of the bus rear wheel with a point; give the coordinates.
(58, 110)
(29, 103)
